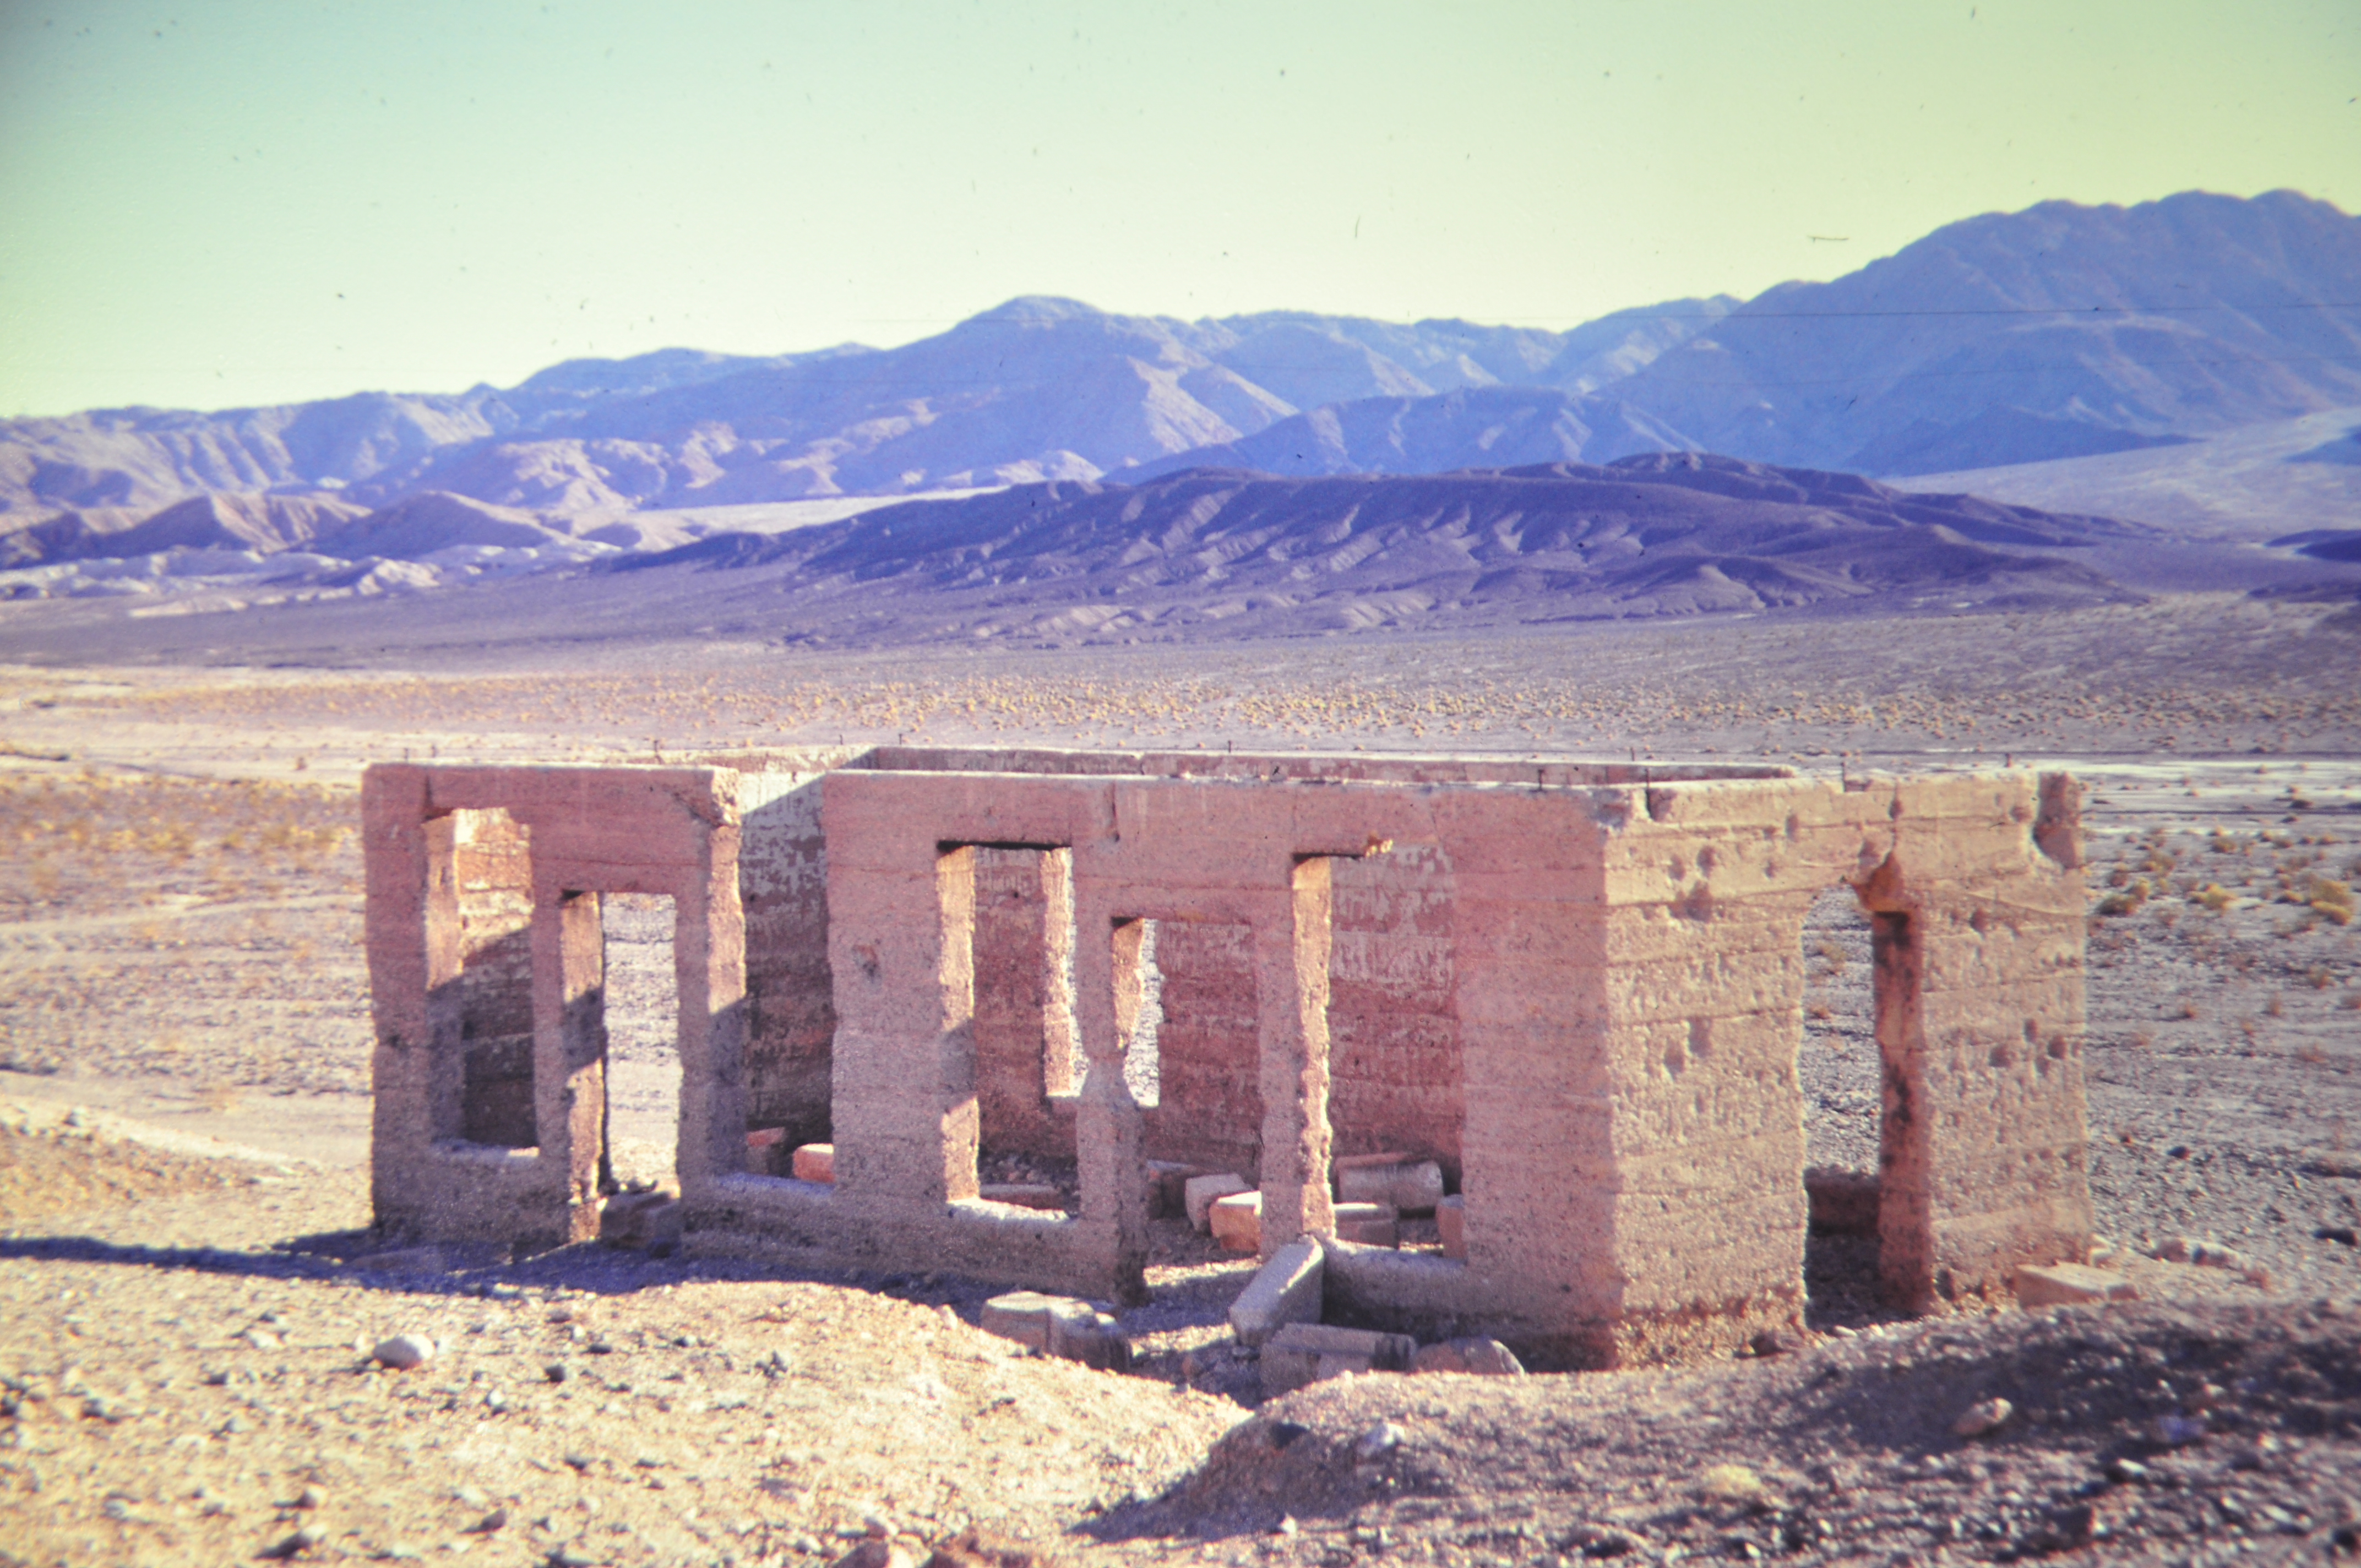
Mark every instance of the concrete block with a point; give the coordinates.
(1023, 1194)
(1299, 1354)
(1451, 1221)
(1020, 1315)
(1412, 1187)
(1080, 1331)
(1477, 1355)
(1287, 1291)
(1199, 1191)
(1236, 1222)
(2070, 1283)
(1168, 1181)
(815, 1162)
(1369, 1224)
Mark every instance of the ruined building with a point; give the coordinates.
(1576, 987)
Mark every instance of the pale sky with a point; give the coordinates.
(212, 203)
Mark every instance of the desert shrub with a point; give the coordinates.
(2332, 901)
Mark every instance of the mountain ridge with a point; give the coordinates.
(2055, 332)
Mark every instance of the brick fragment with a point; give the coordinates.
(1477, 1355)
(1306, 1353)
(1199, 1191)
(765, 1148)
(815, 1162)
(1168, 1182)
(1236, 1222)
(1080, 1331)
(1369, 1224)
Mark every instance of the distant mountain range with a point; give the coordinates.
(2058, 332)
(1659, 533)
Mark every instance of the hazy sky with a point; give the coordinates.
(211, 203)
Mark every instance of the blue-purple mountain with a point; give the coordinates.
(2055, 331)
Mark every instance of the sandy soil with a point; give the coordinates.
(180, 1318)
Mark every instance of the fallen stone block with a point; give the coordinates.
(1842, 1202)
(1287, 1291)
(1236, 1222)
(1369, 1224)
(639, 1219)
(2070, 1283)
(1080, 1331)
(1451, 1225)
(1199, 1192)
(1168, 1183)
(1406, 1187)
(1345, 1162)
(1475, 1355)
(1020, 1315)
(1301, 1354)
(1023, 1194)
(815, 1162)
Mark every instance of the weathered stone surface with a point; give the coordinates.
(639, 1219)
(2070, 1283)
(1409, 1188)
(1200, 1193)
(1285, 1290)
(1482, 1357)
(1299, 1354)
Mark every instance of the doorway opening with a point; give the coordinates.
(642, 1020)
(1839, 1066)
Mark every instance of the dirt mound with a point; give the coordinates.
(2150, 1424)
(45, 1176)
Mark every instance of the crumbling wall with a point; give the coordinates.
(1580, 989)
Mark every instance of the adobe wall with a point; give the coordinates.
(587, 832)
(1579, 986)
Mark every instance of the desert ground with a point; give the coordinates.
(189, 1294)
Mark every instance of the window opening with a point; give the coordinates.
(1027, 1067)
(486, 896)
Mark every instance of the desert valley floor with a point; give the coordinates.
(187, 1301)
